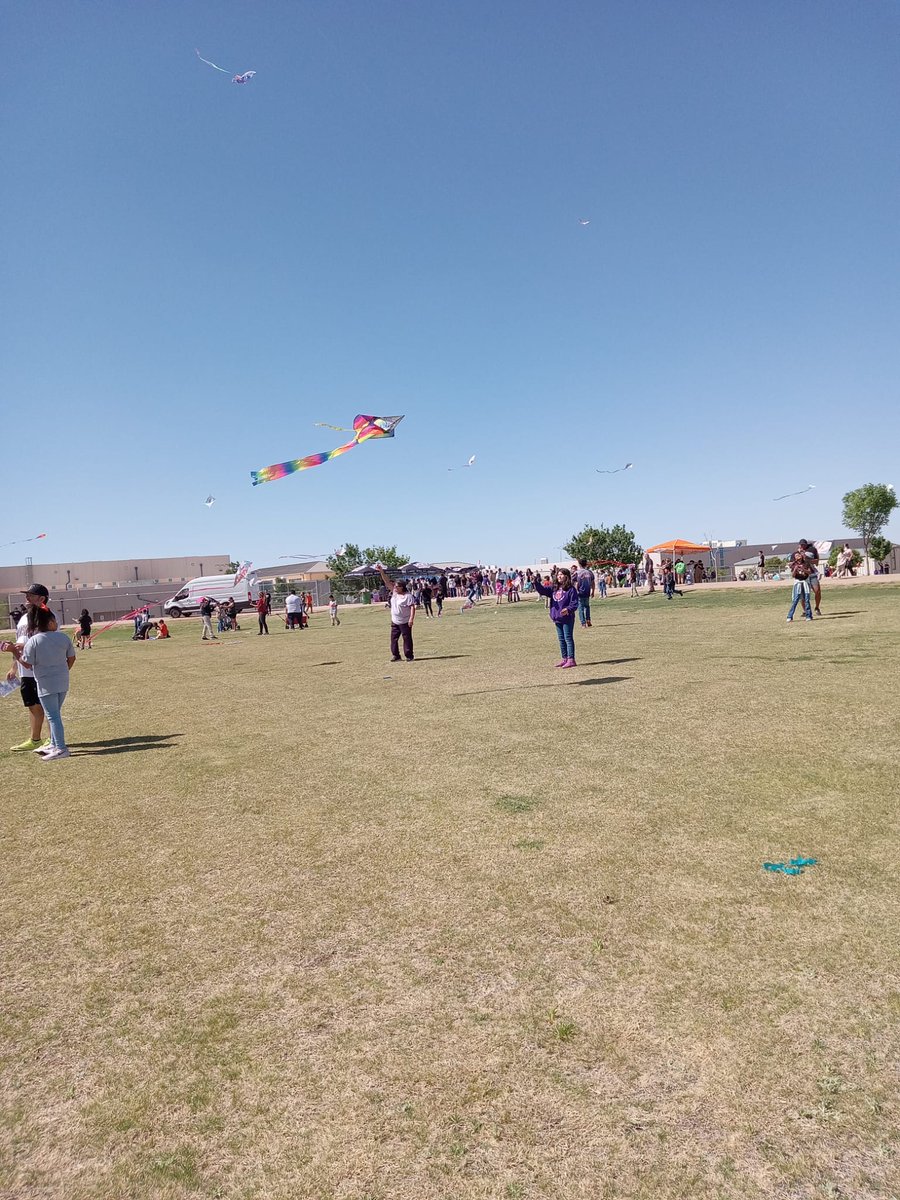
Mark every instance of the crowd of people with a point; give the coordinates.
(44, 655)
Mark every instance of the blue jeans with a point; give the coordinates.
(51, 704)
(800, 590)
(584, 610)
(565, 632)
(601, 586)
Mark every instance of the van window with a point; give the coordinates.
(182, 595)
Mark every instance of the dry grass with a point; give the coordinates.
(336, 929)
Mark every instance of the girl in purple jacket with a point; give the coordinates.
(563, 608)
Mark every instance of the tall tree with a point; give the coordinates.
(350, 557)
(868, 509)
(616, 544)
(880, 548)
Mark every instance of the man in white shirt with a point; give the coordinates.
(403, 614)
(37, 595)
(293, 606)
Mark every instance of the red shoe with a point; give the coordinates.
(562, 662)
(570, 662)
(589, 625)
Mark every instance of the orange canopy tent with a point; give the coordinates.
(676, 546)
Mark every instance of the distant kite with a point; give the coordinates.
(616, 471)
(21, 541)
(209, 501)
(582, 221)
(802, 492)
(470, 463)
(366, 428)
(244, 77)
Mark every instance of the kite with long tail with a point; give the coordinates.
(627, 467)
(365, 428)
(243, 77)
(21, 541)
(787, 495)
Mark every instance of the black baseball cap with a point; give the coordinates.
(36, 589)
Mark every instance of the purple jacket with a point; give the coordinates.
(560, 598)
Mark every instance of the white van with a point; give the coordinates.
(216, 587)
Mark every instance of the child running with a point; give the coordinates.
(83, 637)
(563, 608)
(332, 608)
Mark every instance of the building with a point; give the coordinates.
(107, 588)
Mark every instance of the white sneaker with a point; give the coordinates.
(53, 755)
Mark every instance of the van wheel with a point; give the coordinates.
(174, 612)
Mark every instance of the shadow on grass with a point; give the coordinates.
(569, 683)
(439, 657)
(608, 662)
(835, 616)
(333, 663)
(125, 745)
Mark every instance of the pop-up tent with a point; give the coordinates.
(676, 547)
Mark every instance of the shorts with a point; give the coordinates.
(30, 693)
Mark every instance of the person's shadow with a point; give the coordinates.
(126, 745)
(567, 683)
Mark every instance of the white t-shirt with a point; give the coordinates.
(402, 607)
(21, 639)
(293, 604)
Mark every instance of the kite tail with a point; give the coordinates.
(279, 470)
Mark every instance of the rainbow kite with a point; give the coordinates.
(365, 428)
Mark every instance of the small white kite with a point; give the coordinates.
(209, 501)
(616, 471)
(243, 77)
(470, 463)
(802, 492)
(582, 221)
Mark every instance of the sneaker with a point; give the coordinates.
(570, 662)
(53, 755)
(562, 662)
(589, 625)
(818, 612)
(31, 744)
(412, 659)
(807, 618)
(43, 747)
(397, 659)
(790, 620)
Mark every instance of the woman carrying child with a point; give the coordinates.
(801, 571)
(563, 609)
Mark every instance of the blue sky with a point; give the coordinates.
(386, 220)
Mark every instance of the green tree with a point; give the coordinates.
(775, 563)
(350, 556)
(880, 548)
(232, 568)
(280, 590)
(594, 544)
(868, 509)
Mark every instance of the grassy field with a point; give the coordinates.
(296, 923)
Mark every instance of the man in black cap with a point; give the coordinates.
(36, 597)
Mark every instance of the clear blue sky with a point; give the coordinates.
(386, 220)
